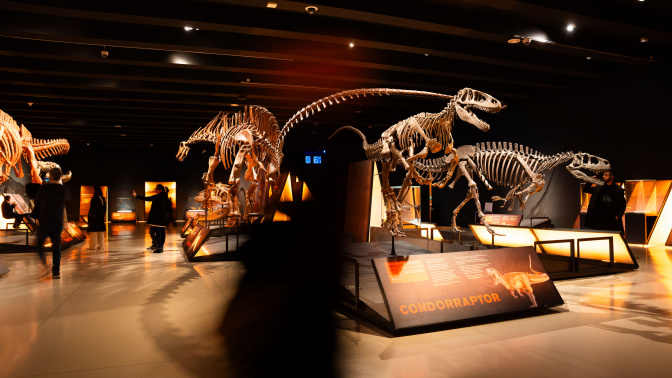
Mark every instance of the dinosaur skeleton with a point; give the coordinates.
(15, 140)
(516, 167)
(45, 166)
(254, 138)
(398, 145)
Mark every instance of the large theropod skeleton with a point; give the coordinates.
(426, 132)
(16, 140)
(252, 137)
(516, 167)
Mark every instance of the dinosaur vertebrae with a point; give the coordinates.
(500, 162)
(348, 95)
(45, 148)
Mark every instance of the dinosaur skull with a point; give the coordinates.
(468, 99)
(587, 162)
(182, 152)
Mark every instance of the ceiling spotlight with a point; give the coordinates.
(30, 104)
(104, 53)
(571, 27)
(188, 28)
(271, 5)
(117, 126)
(352, 44)
(123, 135)
(426, 54)
(643, 39)
(589, 57)
(311, 9)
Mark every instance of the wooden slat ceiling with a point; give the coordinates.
(161, 82)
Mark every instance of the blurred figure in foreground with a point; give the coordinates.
(49, 210)
(280, 322)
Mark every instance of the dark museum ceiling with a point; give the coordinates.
(160, 81)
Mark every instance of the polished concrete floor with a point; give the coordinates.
(125, 312)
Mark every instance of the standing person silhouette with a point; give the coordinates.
(158, 215)
(96, 220)
(606, 206)
(49, 210)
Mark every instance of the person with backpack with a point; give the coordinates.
(158, 215)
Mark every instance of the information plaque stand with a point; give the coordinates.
(434, 289)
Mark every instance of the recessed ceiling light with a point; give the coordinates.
(589, 57)
(188, 28)
(271, 5)
(571, 27)
(643, 39)
(426, 54)
(311, 9)
(352, 44)
(122, 134)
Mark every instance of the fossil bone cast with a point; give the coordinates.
(516, 167)
(252, 137)
(517, 282)
(45, 166)
(15, 140)
(414, 138)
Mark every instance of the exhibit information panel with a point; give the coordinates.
(421, 290)
(195, 239)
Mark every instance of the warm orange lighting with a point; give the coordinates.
(593, 250)
(513, 236)
(281, 217)
(271, 4)
(305, 193)
(202, 252)
(286, 195)
(352, 44)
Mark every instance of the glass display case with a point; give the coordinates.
(125, 210)
(645, 200)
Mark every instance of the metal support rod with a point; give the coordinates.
(393, 251)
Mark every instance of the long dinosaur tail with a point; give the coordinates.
(356, 131)
(540, 277)
(347, 95)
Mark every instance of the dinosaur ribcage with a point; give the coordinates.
(504, 167)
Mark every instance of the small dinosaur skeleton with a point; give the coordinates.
(517, 282)
(45, 166)
(516, 167)
(398, 145)
(15, 140)
(254, 138)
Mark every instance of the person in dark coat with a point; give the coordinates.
(606, 206)
(49, 210)
(158, 215)
(97, 211)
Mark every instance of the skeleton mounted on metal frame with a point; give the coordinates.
(428, 132)
(516, 167)
(16, 140)
(252, 137)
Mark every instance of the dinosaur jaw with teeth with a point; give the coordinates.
(584, 166)
(468, 99)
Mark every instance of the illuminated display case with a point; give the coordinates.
(645, 200)
(125, 211)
